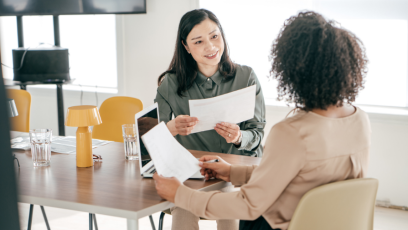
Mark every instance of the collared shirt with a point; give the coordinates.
(252, 130)
(301, 153)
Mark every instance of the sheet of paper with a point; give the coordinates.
(234, 107)
(170, 158)
(65, 145)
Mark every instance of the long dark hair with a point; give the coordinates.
(183, 64)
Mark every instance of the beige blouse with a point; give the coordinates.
(301, 152)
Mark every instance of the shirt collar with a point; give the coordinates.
(201, 79)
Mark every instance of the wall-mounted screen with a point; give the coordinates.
(67, 7)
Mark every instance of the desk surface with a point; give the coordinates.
(112, 187)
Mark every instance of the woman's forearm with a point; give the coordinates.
(171, 125)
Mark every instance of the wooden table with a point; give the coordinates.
(113, 187)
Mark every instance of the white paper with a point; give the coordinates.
(65, 145)
(170, 158)
(234, 107)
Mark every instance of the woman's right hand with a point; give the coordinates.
(182, 125)
(220, 169)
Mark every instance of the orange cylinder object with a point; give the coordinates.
(84, 147)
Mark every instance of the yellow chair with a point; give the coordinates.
(341, 205)
(22, 99)
(115, 112)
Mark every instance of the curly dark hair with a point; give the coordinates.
(316, 63)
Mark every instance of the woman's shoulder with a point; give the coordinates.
(301, 120)
(247, 75)
(168, 80)
(243, 70)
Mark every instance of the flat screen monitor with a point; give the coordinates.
(68, 7)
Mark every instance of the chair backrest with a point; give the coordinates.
(341, 205)
(115, 112)
(22, 99)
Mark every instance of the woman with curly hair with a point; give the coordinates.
(320, 68)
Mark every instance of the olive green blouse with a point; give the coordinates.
(252, 130)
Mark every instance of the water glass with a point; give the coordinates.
(40, 140)
(130, 140)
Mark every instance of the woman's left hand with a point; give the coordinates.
(166, 187)
(231, 132)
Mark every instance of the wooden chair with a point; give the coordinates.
(340, 205)
(115, 112)
(22, 100)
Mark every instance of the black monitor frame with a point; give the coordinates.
(86, 13)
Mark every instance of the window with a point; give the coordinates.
(90, 39)
(251, 26)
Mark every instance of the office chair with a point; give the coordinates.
(22, 99)
(340, 205)
(115, 112)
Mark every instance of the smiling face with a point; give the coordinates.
(206, 45)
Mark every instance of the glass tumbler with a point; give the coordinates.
(130, 140)
(40, 140)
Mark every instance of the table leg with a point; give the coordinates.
(30, 217)
(60, 105)
(132, 224)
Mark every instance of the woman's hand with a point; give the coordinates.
(182, 125)
(231, 132)
(166, 187)
(220, 169)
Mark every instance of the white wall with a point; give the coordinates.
(145, 48)
(148, 41)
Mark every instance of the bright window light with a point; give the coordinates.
(251, 27)
(90, 39)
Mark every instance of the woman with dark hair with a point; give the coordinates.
(201, 68)
(321, 69)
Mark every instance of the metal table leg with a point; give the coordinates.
(152, 222)
(30, 217)
(45, 217)
(132, 224)
(90, 221)
(61, 116)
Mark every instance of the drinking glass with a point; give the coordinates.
(130, 139)
(40, 140)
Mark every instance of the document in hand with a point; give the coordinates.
(234, 107)
(170, 158)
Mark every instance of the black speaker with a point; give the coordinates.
(41, 65)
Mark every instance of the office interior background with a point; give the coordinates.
(123, 55)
